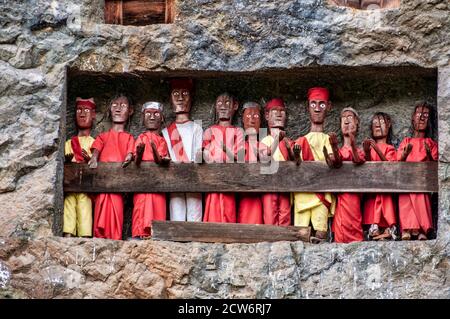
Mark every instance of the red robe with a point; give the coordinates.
(221, 207)
(149, 206)
(379, 208)
(415, 209)
(250, 205)
(347, 223)
(113, 146)
(277, 206)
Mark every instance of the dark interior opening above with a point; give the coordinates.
(139, 12)
(367, 4)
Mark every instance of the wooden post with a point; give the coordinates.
(227, 232)
(114, 11)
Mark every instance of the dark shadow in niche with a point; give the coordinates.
(394, 90)
(367, 4)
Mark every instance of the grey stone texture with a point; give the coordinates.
(52, 51)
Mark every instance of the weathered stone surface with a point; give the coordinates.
(256, 49)
(79, 268)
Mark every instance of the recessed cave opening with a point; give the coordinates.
(139, 12)
(394, 90)
(367, 4)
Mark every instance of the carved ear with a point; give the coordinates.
(235, 105)
(329, 106)
(266, 116)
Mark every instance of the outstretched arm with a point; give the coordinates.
(336, 158)
(406, 151)
(297, 151)
(128, 160)
(139, 153)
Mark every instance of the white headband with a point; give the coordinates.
(152, 105)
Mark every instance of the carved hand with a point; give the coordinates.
(68, 157)
(297, 151)
(406, 151)
(85, 155)
(128, 160)
(428, 150)
(93, 162)
(366, 146)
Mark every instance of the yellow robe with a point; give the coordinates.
(277, 155)
(307, 206)
(78, 206)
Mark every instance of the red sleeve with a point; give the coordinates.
(206, 138)
(162, 148)
(391, 154)
(98, 143)
(434, 149)
(130, 145)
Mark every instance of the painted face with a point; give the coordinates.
(152, 119)
(318, 110)
(349, 123)
(251, 120)
(225, 107)
(181, 100)
(120, 110)
(276, 117)
(85, 116)
(380, 127)
(420, 118)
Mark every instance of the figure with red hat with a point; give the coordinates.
(379, 209)
(184, 141)
(116, 145)
(276, 206)
(78, 206)
(250, 204)
(221, 143)
(347, 222)
(415, 209)
(150, 147)
(315, 208)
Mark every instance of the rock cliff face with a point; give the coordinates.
(53, 51)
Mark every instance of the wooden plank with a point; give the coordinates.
(113, 12)
(372, 177)
(143, 12)
(170, 11)
(226, 233)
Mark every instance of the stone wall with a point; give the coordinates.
(51, 51)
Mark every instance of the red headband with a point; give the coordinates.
(318, 93)
(187, 84)
(274, 103)
(85, 102)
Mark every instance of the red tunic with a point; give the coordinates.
(250, 205)
(113, 146)
(347, 223)
(415, 209)
(379, 208)
(149, 206)
(277, 206)
(221, 207)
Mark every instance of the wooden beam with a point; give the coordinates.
(144, 12)
(226, 233)
(170, 11)
(113, 12)
(372, 177)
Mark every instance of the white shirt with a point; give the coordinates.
(191, 136)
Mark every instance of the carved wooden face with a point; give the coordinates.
(276, 117)
(251, 119)
(318, 110)
(349, 123)
(152, 119)
(225, 107)
(85, 116)
(120, 110)
(380, 127)
(420, 118)
(181, 100)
